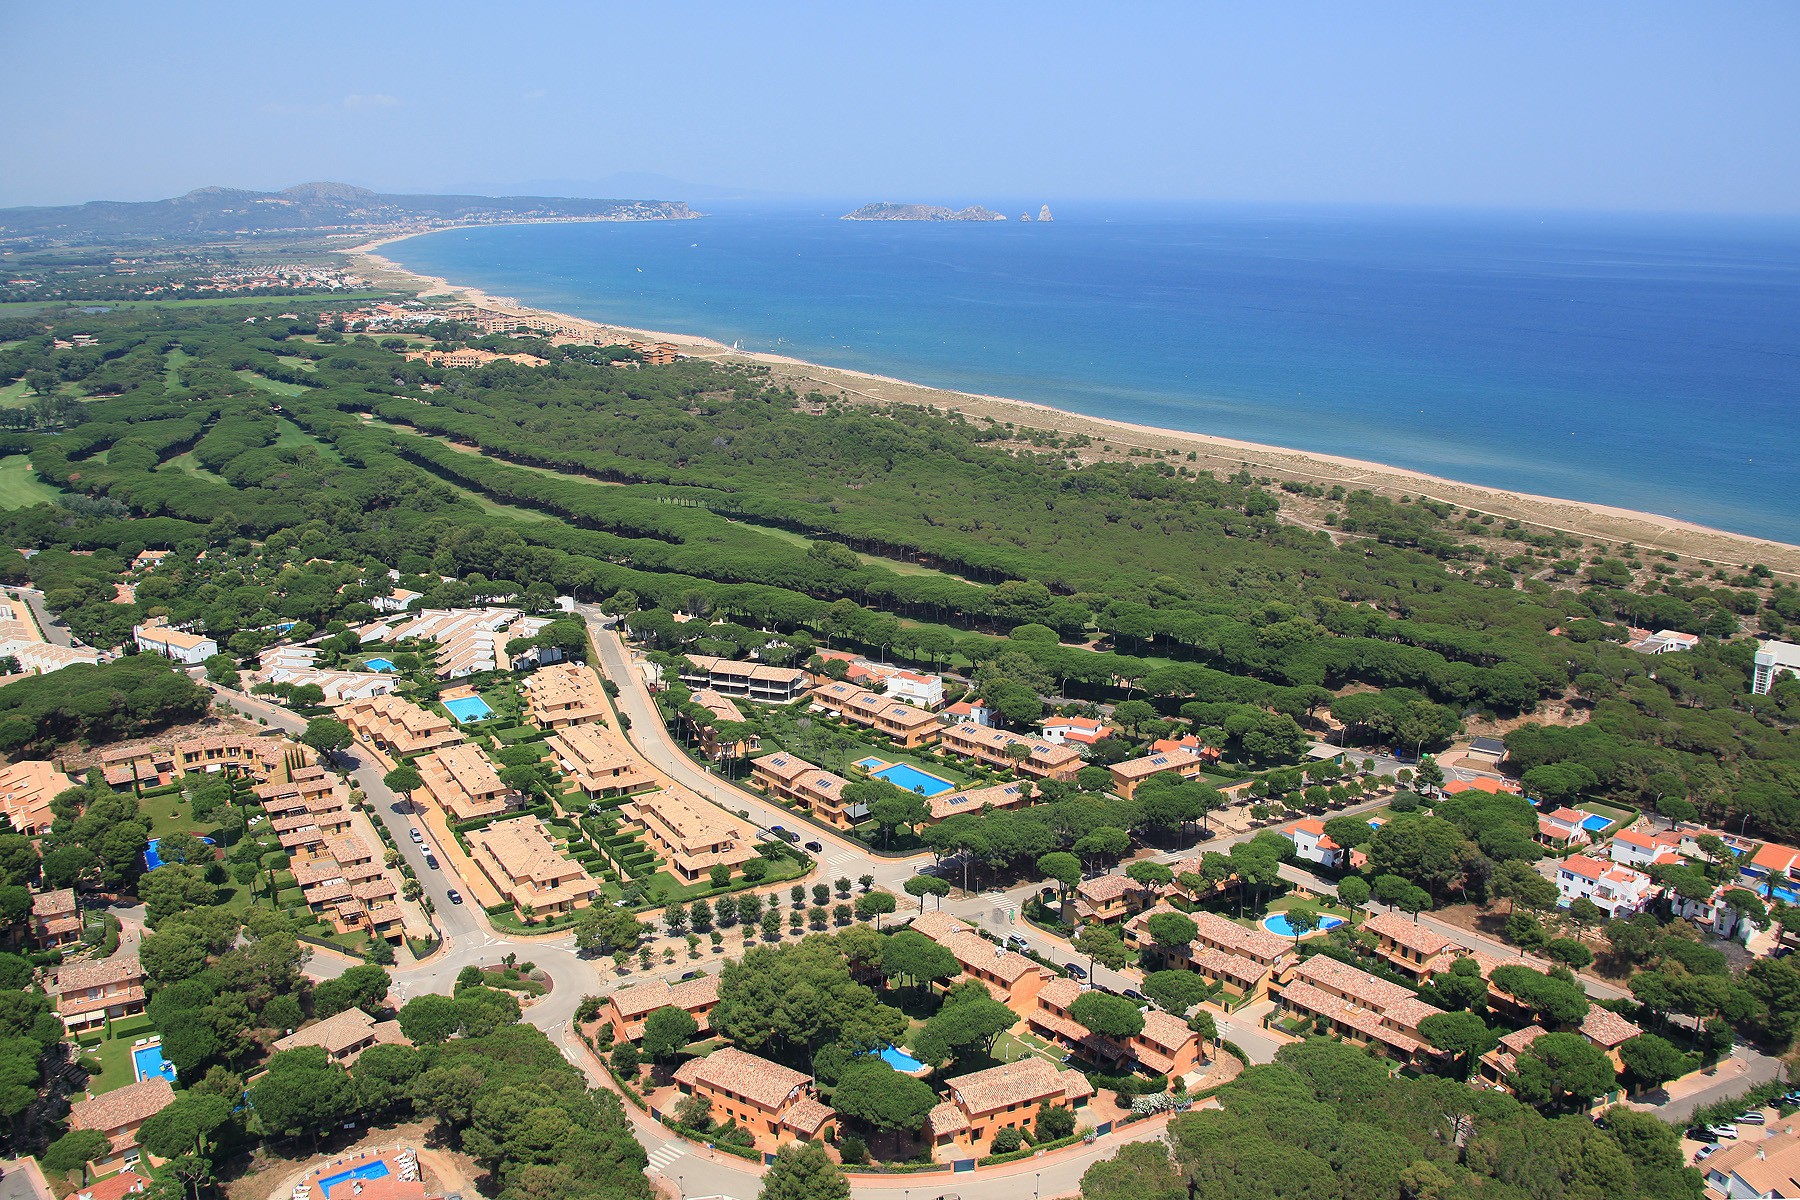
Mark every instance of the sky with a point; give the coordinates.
(1633, 105)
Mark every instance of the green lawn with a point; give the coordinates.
(292, 435)
(114, 1056)
(16, 395)
(897, 566)
(271, 385)
(187, 462)
(20, 487)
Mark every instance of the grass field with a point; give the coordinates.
(186, 462)
(19, 488)
(897, 566)
(271, 385)
(15, 395)
(292, 435)
(176, 359)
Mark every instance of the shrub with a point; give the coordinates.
(1007, 1140)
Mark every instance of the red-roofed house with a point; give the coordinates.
(118, 1114)
(1632, 848)
(1165, 1046)
(1357, 1006)
(1081, 730)
(1408, 946)
(1562, 827)
(1311, 844)
(773, 1102)
(1003, 1097)
(1481, 783)
(1619, 890)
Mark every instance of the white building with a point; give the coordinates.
(1630, 848)
(1618, 890)
(395, 601)
(1312, 845)
(189, 649)
(1773, 660)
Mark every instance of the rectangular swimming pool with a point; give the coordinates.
(149, 1062)
(376, 1169)
(469, 708)
(869, 764)
(914, 780)
(1595, 823)
(380, 664)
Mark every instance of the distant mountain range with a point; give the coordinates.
(212, 212)
(883, 211)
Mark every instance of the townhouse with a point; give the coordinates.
(307, 807)
(626, 1011)
(1619, 891)
(118, 1114)
(55, 919)
(1240, 960)
(786, 777)
(399, 727)
(1412, 949)
(897, 683)
(746, 680)
(467, 640)
(344, 1036)
(462, 782)
(1165, 1046)
(723, 712)
(1183, 762)
(235, 754)
(1602, 1028)
(690, 835)
(1028, 756)
(1111, 897)
(92, 993)
(344, 882)
(137, 766)
(998, 795)
(895, 720)
(773, 1102)
(1010, 978)
(562, 695)
(598, 761)
(188, 649)
(1356, 1006)
(519, 859)
(26, 789)
(1005, 1097)
(1635, 848)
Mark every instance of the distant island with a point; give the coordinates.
(920, 212)
(213, 212)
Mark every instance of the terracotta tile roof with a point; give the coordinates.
(1106, 887)
(784, 767)
(1301, 995)
(125, 1106)
(635, 1002)
(976, 952)
(808, 1116)
(764, 1083)
(938, 925)
(1223, 934)
(336, 1033)
(112, 972)
(1606, 1028)
(1587, 868)
(60, 903)
(114, 1187)
(1026, 1081)
(1770, 1167)
(1000, 795)
(1166, 1031)
(1405, 932)
(1391, 1000)
(946, 1118)
(1247, 971)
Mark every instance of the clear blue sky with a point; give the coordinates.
(1611, 105)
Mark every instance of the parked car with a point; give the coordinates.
(1701, 1133)
(455, 896)
(792, 837)
(815, 847)
(1017, 941)
(1706, 1152)
(431, 861)
(691, 975)
(779, 830)
(1723, 1130)
(415, 835)
(1752, 1116)
(1074, 971)
(1134, 995)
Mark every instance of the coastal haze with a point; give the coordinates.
(1643, 363)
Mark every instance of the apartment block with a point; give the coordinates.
(1243, 961)
(626, 1010)
(775, 1103)
(468, 640)
(1010, 978)
(188, 649)
(723, 711)
(1128, 776)
(255, 757)
(998, 795)
(344, 881)
(309, 806)
(895, 720)
(1408, 947)
(1356, 1005)
(747, 680)
(398, 726)
(598, 761)
(1165, 1046)
(26, 789)
(1041, 760)
(1004, 1097)
(518, 857)
(821, 793)
(562, 695)
(690, 835)
(462, 782)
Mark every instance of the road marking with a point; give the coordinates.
(667, 1153)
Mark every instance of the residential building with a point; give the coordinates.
(1493, 785)
(1005, 1097)
(1620, 891)
(1601, 1028)
(396, 601)
(1034, 757)
(400, 727)
(1413, 949)
(747, 680)
(309, 806)
(92, 993)
(773, 1102)
(254, 757)
(1769, 859)
(968, 710)
(1010, 978)
(995, 796)
(1165, 1046)
(787, 777)
(1128, 776)
(1239, 959)
(26, 789)
(1488, 749)
(896, 683)
(1636, 848)
(1357, 1006)
(114, 1187)
(563, 695)
(1773, 660)
(1561, 827)
(55, 919)
(468, 640)
(137, 766)
(690, 835)
(598, 761)
(1663, 641)
(519, 859)
(462, 782)
(188, 649)
(118, 1114)
(21, 638)
(724, 711)
(344, 882)
(626, 1010)
(1111, 897)
(1083, 731)
(895, 720)
(344, 1036)
(294, 665)
(1311, 843)
(1743, 1170)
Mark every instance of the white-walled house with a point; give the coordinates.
(1619, 890)
(189, 649)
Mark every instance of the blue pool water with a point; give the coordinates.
(1595, 823)
(469, 708)
(914, 780)
(1278, 923)
(153, 860)
(380, 664)
(1784, 894)
(369, 1170)
(149, 1061)
(900, 1060)
(869, 764)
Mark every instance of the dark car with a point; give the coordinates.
(1137, 996)
(455, 896)
(815, 847)
(1701, 1133)
(431, 861)
(1074, 971)
(792, 837)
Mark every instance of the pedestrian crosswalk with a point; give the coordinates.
(667, 1153)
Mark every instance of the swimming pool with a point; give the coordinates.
(914, 780)
(380, 664)
(149, 1061)
(1278, 923)
(153, 860)
(1786, 895)
(376, 1169)
(900, 1060)
(469, 708)
(1595, 823)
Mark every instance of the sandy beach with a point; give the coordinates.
(1598, 523)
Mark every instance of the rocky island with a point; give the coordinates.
(883, 211)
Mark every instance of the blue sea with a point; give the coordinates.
(1650, 363)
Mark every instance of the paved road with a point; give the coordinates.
(55, 632)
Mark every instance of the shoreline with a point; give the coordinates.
(1586, 519)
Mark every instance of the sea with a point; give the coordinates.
(1651, 363)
